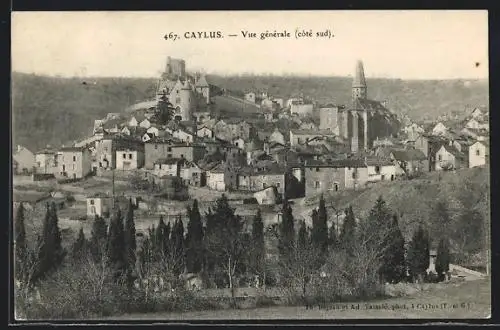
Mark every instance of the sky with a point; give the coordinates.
(392, 44)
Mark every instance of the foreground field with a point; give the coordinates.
(470, 299)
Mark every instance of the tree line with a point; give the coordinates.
(352, 260)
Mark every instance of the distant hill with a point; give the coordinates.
(416, 98)
(54, 110)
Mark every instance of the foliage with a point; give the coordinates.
(20, 242)
(80, 247)
(442, 264)
(395, 263)
(257, 255)
(98, 239)
(129, 241)
(347, 235)
(51, 252)
(116, 244)
(418, 254)
(286, 232)
(165, 111)
(227, 246)
(194, 239)
(320, 227)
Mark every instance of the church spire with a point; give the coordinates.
(359, 82)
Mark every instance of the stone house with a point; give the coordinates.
(335, 175)
(215, 178)
(73, 162)
(478, 154)
(449, 158)
(99, 204)
(409, 161)
(192, 174)
(24, 160)
(168, 166)
(46, 161)
(130, 158)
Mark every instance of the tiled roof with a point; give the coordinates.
(336, 163)
(311, 132)
(408, 155)
(72, 149)
(168, 161)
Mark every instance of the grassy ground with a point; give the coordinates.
(464, 300)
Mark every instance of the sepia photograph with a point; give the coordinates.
(250, 165)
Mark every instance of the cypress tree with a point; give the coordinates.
(315, 228)
(302, 238)
(418, 254)
(51, 253)
(159, 239)
(59, 252)
(332, 236)
(322, 226)
(20, 243)
(347, 235)
(287, 231)
(98, 239)
(258, 243)
(178, 244)
(443, 258)
(395, 265)
(194, 239)
(379, 234)
(129, 241)
(226, 244)
(116, 243)
(79, 248)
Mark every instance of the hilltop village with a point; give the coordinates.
(286, 147)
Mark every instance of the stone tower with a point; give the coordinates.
(359, 83)
(186, 101)
(359, 117)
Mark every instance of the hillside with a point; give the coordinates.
(416, 98)
(465, 193)
(54, 110)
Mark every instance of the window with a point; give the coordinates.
(92, 210)
(278, 185)
(156, 146)
(129, 156)
(354, 175)
(91, 202)
(440, 157)
(169, 156)
(377, 169)
(73, 166)
(317, 169)
(105, 149)
(478, 153)
(124, 156)
(169, 149)
(74, 158)
(317, 184)
(264, 185)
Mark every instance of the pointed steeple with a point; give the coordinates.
(359, 78)
(359, 82)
